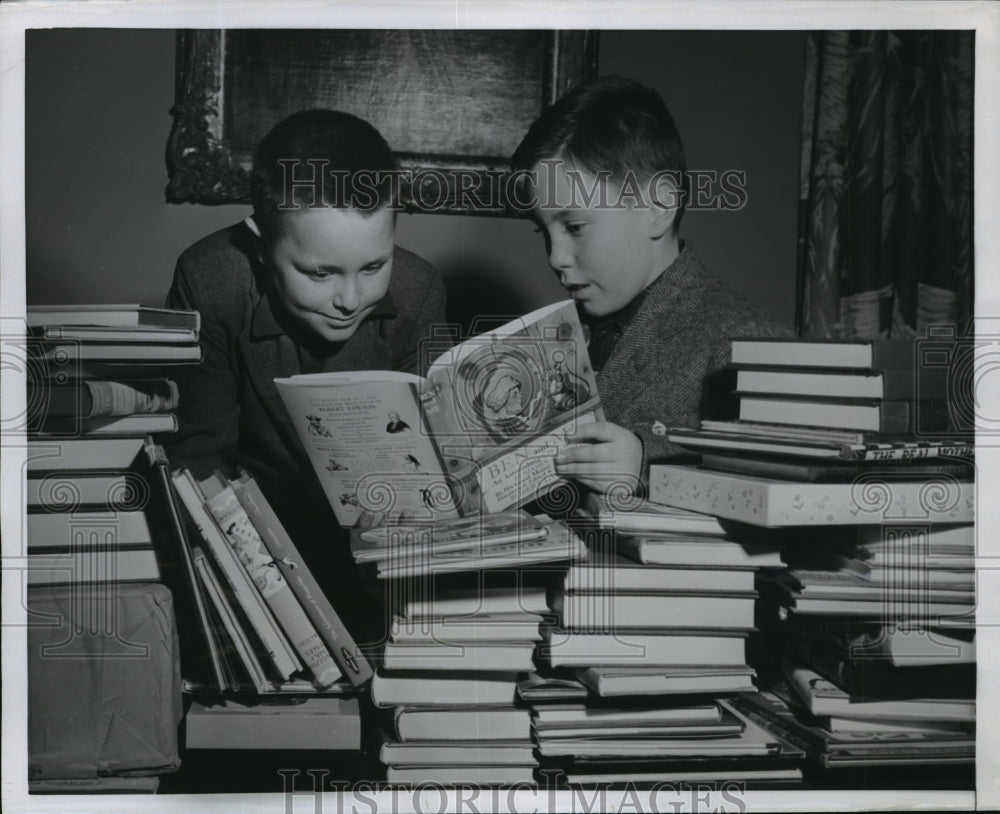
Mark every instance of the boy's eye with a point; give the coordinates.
(375, 268)
(575, 228)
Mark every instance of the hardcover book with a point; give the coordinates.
(615, 681)
(419, 724)
(246, 543)
(810, 443)
(642, 647)
(893, 383)
(678, 550)
(889, 417)
(477, 435)
(775, 503)
(113, 316)
(871, 354)
(316, 604)
(320, 722)
(823, 697)
(236, 578)
(607, 612)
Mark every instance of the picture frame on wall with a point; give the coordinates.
(233, 85)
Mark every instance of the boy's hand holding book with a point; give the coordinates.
(601, 456)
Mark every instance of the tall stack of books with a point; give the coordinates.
(95, 508)
(95, 390)
(654, 624)
(459, 641)
(872, 619)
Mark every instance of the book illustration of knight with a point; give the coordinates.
(333, 465)
(316, 427)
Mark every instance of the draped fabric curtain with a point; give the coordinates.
(885, 231)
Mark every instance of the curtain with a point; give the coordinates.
(885, 227)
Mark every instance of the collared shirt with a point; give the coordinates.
(265, 324)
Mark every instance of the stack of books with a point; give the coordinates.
(450, 672)
(858, 465)
(654, 625)
(631, 626)
(95, 525)
(87, 485)
(460, 639)
(465, 544)
(645, 744)
(96, 369)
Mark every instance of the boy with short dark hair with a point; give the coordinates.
(605, 178)
(311, 282)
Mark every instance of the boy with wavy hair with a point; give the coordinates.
(603, 174)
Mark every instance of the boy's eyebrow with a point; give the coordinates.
(334, 267)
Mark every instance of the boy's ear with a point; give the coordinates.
(665, 199)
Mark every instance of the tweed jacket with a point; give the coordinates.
(667, 369)
(230, 410)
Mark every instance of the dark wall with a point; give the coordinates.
(98, 114)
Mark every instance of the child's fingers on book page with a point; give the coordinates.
(594, 432)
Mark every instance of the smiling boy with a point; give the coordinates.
(311, 282)
(605, 179)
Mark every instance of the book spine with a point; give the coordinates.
(110, 565)
(253, 555)
(317, 607)
(158, 461)
(120, 398)
(236, 577)
(906, 452)
(763, 502)
(707, 492)
(76, 529)
(230, 637)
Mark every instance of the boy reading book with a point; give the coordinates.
(310, 282)
(605, 178)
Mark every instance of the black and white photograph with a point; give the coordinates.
(681, 314)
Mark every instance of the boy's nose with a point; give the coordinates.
(560, 258)
(346, 297)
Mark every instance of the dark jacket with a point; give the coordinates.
(230, 411)
(667, 368)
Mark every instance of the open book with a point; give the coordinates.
(477, 435)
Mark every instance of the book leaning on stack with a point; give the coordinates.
(95, 543)
(856, 458)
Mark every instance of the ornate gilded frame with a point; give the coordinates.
(205, 166)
